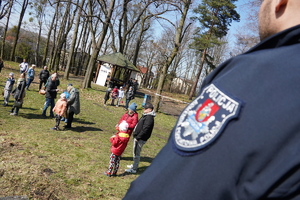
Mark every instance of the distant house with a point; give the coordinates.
(181, 85)
(145, 77)
(115, 69)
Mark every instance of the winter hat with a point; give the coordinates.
(63, 95)
(11, 74)
(123, 126)
(132, 107)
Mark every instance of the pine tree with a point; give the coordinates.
(214, 17)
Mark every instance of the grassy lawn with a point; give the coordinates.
(43, 164)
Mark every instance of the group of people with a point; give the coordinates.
(128, 124)
(66, 107)
(119, 94)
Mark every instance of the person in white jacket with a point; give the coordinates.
(120, 96)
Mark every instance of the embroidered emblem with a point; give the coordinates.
(203, 120)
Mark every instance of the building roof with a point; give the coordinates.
(118, 59)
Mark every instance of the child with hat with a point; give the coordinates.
(8, 88)
(60, 109)
(118, 145)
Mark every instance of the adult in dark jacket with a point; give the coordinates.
(141, 134)
(135, 86)
(73, 104)
(51, 92)
(19, 94)
(240, 138)
(43, 76)
(129, 96)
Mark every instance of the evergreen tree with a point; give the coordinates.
(214, 17)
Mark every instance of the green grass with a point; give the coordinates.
(43, 164)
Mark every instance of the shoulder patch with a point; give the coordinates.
(203, 120)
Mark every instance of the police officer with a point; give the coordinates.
(240, 138)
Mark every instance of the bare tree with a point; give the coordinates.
(39, 13)
(5, 7)
(9, 7)
(23, 9)
(180, 32)
(96, 46)
(72, 48)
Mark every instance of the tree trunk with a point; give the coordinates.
(178, 38)
(49, 36)
(37, 50)
(71, 53)
(92, 61)
(23, 9)
(193, 90)
(6, 28)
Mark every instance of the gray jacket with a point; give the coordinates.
(73, 101)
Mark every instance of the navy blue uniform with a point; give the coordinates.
(240, 138)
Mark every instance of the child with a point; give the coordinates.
(120, 96)
(60, 109)
(119, 143)
(114, 95)
(106, 97)
(67, 97)
(8, 88)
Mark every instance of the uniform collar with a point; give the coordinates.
(284, 38)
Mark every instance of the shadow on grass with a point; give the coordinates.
(81, 129)
(31, 116)
(143, 159)
(139, 172)
(82, 122)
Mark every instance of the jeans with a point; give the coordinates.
(127, 102)
(29, 81)
(46, 105)
(137, 148)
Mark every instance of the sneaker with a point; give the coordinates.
(13, 114)
(107, 174)
(54, 129)
(132, 171)
(130, 166)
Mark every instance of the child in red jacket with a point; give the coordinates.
(119, 143)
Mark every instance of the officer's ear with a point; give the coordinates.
(281, 5)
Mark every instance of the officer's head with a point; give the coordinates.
(278, 15)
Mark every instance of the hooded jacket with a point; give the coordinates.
(60, 107)
(119, 143)
(131, 120)
(144, 127)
